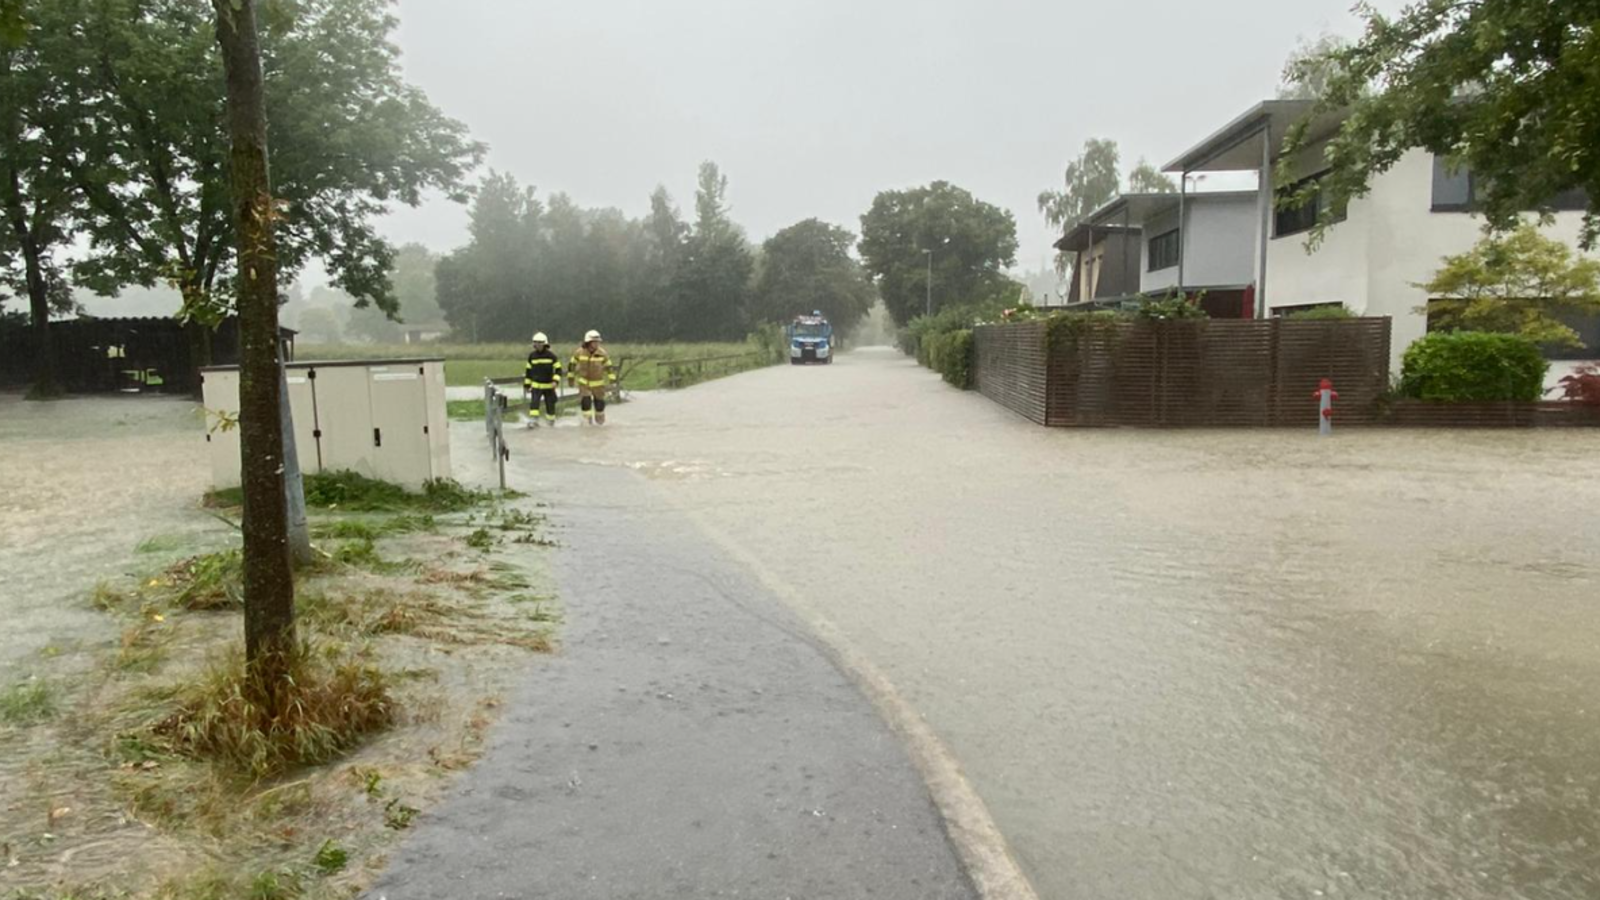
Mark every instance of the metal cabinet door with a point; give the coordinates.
(344, 416)
(302, 403)
(401, 451)
(220, 397)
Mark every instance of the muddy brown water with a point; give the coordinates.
(83, 482)
(1220, 664)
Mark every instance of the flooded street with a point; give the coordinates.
(83, 483)
(1235, 664)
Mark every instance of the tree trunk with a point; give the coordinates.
(46, 377)
(268, 575)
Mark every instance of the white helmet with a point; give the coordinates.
(591, 336)
(539, 338)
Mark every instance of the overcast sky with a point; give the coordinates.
(813, 106)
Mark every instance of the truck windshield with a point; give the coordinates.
(811, 330)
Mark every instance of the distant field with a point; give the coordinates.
(469, 364)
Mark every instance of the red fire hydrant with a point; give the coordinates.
(1325, 395)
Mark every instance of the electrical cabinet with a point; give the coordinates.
(381, 418)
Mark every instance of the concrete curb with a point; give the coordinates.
(981, 847)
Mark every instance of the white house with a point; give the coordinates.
(1146, 245)
(1387, 242)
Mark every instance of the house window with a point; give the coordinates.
(1164, 251)
(1303, 217)
(1456, 190)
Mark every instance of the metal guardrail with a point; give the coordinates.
(678, 368)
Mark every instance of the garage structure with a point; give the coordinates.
(384, 419)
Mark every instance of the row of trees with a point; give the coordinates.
(551, 265)
(114, 150)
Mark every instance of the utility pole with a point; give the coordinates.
(929, 311)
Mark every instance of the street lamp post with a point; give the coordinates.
(929, 310)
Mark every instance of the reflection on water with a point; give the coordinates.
(1191, 664)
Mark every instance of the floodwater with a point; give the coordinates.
(83, 482)
(1215, 664)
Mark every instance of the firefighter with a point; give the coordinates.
(592, 372)
(541, 380)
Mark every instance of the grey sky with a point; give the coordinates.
(813, 106)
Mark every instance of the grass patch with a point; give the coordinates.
(337, 699)
(161, 543)
(207, 582)
(27, 703)
(373, 529)
(352, 492)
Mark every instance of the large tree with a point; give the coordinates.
(1089, 182)
(711, 284)
(269, 629)
(485, 287)
(350, 138)
(971, 242)
(1311, 66)
(1508, 88)
(41, 107)
(807, 267)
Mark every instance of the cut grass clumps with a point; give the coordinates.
(27, 703)
(207, 582)
(336, 700)
(353, 492)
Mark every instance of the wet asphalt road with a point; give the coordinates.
(1224, 664)
(689, 741)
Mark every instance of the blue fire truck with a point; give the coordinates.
(810, 340)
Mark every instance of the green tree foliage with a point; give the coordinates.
(1090, 181)
(40, 104)
(1473, 365)
(972, 243)
(415, 287)
(349, 137)
(1311, 67)
(1517, 283)
(563, 269)
(806, 267)
(1147, 179)
(318, 325)
(710, 288)
(1506, 87)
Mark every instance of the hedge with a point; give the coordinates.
(950, 354)
(1473, 365)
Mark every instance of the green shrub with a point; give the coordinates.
(1320, 313)
(950, 354)
(1172, 306)
(1473, 365)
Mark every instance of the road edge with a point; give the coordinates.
(980, 845)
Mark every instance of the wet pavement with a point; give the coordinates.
(1219, 664)
(688, 741)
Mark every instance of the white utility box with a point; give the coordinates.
(381, 418)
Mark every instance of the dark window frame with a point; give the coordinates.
(1303, 218)
(1573, 200)
(1170, 247)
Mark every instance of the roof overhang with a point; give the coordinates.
(1236, 147)
(1086, 234)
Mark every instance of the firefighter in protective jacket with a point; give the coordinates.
(592, 372)
(541, 380)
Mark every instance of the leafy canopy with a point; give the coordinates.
(806, 267)
(1517, 283)
(1507, 88)
(349, 137)
(971, 243)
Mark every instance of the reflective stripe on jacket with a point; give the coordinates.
(543, 371)
(592, 368)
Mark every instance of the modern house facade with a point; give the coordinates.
(1382, 246)
(1147, 245)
